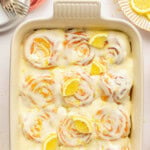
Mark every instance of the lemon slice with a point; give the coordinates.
(70, 87)
(98, 41)
(51, 143)
(141, 6)
(82, 125)
(97, 68)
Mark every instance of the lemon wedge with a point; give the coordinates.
(98, 41)
(51, 143)
(82, 125)
(70, 87)
(141, 6)
(97, 68)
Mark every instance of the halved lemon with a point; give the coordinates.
(98, 41)
(97, 68)
(70, 87)
(141, 6)
(82, 125)
(51, 142)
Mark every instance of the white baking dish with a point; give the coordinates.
(77, 13)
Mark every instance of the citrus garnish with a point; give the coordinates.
(70, 87)
(51, 142)
(97, 68)
(98, 41)
(75, 131)
(82, 125)
(141, 6)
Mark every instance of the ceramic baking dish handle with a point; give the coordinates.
(69, 9)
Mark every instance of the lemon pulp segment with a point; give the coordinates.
(51, 143)
(141, 6)
(98, 41)
(70, 87)
(82, 125)
(97, 68)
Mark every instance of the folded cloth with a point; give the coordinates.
(35, 4)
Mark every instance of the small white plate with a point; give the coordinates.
(141, 21)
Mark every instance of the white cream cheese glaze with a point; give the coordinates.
(40, 96)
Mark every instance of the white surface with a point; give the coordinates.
(109, 8)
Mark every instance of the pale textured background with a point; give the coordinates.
(109, 8)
